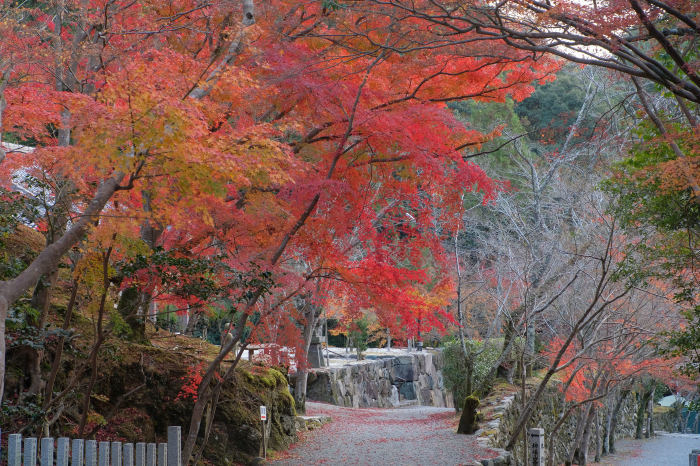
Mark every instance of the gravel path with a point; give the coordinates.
(663, 450)
(419, 435)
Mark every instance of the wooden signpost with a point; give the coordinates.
(265, 433)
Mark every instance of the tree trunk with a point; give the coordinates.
(505, 366)
(4, 309)
(192, 321)
(57, 221)
(642, 400)
(56, 364)
(11, 290)
(578, 436)
(41, 301)
(129, 307)
(99, 339)
(470, 375)
(460, 316)
(606, 429)
(598, 443)
(585, 442)
(650, 413)
(150, 234)
(613, 421)
(4, 79)
(311, 316)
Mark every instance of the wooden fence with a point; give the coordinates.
(79, 452)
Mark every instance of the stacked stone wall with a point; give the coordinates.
(497, 431)
(384, 382)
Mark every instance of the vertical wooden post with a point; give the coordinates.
(151, 454)
(62, 446)
(47, 451)
(104, 454)
(162, 454)
(14, 450)
(116, 454)
(174, 446)
(77, 450)
(535, 442)
(262, 440)
(30, 451)
(140, 454)
(128, 454)
(91, 453)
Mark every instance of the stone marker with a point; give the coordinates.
(47, 451)
(104, 454)
(694, 458)
(174, 447)
(91, 453)
(116, 454)
(535, 444)
(62, 446)
(14, 450)
(77, 449)
(162, 454)
(30, 451)
(151, 454)
(128, 454)
(140, 454)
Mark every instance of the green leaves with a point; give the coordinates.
(686, 342)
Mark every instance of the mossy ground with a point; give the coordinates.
(138, 392)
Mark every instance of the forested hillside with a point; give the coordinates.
(516, 183)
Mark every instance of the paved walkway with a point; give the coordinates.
(663, 450)
(418, 435)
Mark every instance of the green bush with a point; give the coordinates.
(456, 367)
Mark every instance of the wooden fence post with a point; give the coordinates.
(77, 451)
(151, 454)
(47, 451)
(128, 454)
(25, 451)
(91, 453)
(62, 451)
(14, 450)
(140, 454)
(162, 454)
(104, 454)
(30, 451)
(174, 446)
(116, 454)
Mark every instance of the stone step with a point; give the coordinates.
(407, 403)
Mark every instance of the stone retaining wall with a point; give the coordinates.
(501, 412)
(384, 382)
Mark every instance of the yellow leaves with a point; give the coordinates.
(90, 270)
(207, 218)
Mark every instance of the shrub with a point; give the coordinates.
(456, 369)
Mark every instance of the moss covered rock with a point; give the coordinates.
(468, 420)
